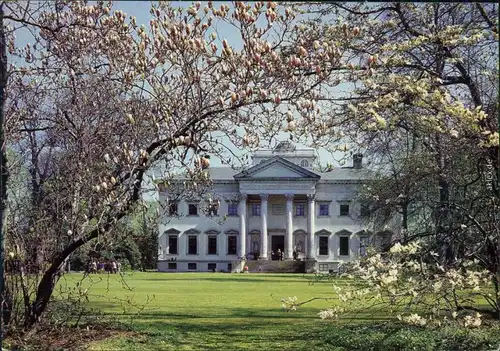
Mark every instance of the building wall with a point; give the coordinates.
(333, 226)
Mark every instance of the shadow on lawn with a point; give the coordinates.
(219, 313)
(230, 279)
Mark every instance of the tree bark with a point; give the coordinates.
(4, 175)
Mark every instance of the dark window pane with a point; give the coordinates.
(231, 245)
(212, 266)
(232, 209)
(192, 245)
(344, 246)
(323, 210)
(172, 245)
(323, 245)
(213, 209)
(365, 210)
(172, 209)
(193, 210)
(212, 245)
(344, 210)
(255, 209)
(172, 265)
(192, 266)
(300, 210)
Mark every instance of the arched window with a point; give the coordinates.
(304, 163)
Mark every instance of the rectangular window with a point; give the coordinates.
(172, 209)
(256, 210)
(232, 209)
(213, 209)
(212, 245)
(365, 210)
(344, 210)
(323, 267)
(323, 245)
(193, 210)
(192, 266)
(172, 245)
(172, 265)
(212, 267)
(229, 267)
(344, 246)
(192, 245)
(278, 209)
(300, 210)
(231, 245)
(324, 209)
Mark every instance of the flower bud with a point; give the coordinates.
(130, 118)
(302, 51)
(291, 126)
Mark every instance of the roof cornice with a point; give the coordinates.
(246, 174)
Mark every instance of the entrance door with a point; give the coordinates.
(277, 242)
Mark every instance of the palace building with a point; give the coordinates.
(279, 204)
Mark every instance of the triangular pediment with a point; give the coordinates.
(276, 167)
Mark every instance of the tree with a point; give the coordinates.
(426, 74)
(114, 99)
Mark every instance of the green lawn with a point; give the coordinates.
(218, 311)
(211, 311)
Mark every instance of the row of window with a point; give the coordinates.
(192, 266)
(231, 248)
(276, 209)
(343, 246)
(192, 247)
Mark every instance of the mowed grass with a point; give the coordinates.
(209, 311)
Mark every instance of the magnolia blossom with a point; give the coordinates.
(289, 303)
(473, 321)
(415, 319)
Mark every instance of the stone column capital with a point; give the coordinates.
(289, 197)
(243, 197)
(311, 197)
(264, 197)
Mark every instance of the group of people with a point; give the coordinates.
(108, 266)
(277, 256)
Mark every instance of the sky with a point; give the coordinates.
(140, 10)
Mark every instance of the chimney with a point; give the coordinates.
(357, 161)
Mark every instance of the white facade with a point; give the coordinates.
(278, 203)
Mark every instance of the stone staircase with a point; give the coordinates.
(264, 266)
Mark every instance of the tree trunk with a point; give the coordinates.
(443, 240)
(4, 176)
(50, 278)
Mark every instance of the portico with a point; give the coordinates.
(294, 189)
(286, 224)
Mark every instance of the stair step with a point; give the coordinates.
(276, 266)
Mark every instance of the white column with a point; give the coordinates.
(263, 231)
(243, 227)
(289, 226)
(311, 215)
